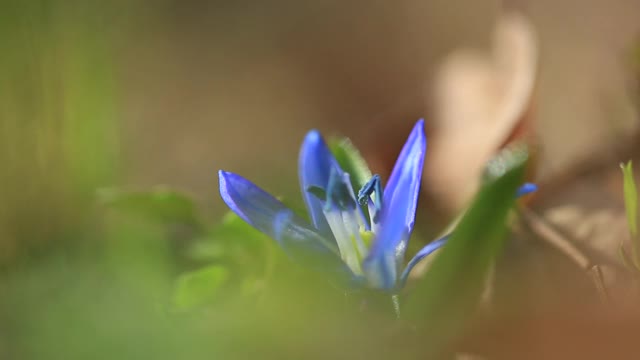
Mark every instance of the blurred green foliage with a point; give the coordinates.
(161, 204)
(58, 117)
(199, 287)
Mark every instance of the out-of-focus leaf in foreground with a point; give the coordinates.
(446, 297)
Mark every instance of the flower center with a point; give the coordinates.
(346, 218)
(371, 195)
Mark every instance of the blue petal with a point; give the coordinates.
(525, 189)
(425, 251)
(314, 165)
(398, 212)
(403, 186)
(273, 218)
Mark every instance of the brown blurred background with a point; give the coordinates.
(221, 85)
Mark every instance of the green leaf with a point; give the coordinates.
(506, 160)
(160, 204)
(446, 297)
(631, 206)
(630, 198)
(351, 161)
(199, 287)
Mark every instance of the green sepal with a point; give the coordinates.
(351, 161)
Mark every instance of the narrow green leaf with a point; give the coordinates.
(199, 287)
(449, 292)
(630, 198)
(351, 161)
(631, 206)
(506, 160)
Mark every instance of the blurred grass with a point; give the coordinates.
(58, 115)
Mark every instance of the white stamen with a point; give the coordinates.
(353, 223)
(346, 230)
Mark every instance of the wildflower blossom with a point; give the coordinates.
(366, 247)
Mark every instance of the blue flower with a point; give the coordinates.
(365, 248)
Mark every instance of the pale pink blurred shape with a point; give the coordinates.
(480, 102)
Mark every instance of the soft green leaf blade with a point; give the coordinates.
(159, 204)
(199, 287)
(630, 197)
(446, 297)
(631, 207)
(351, 161)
